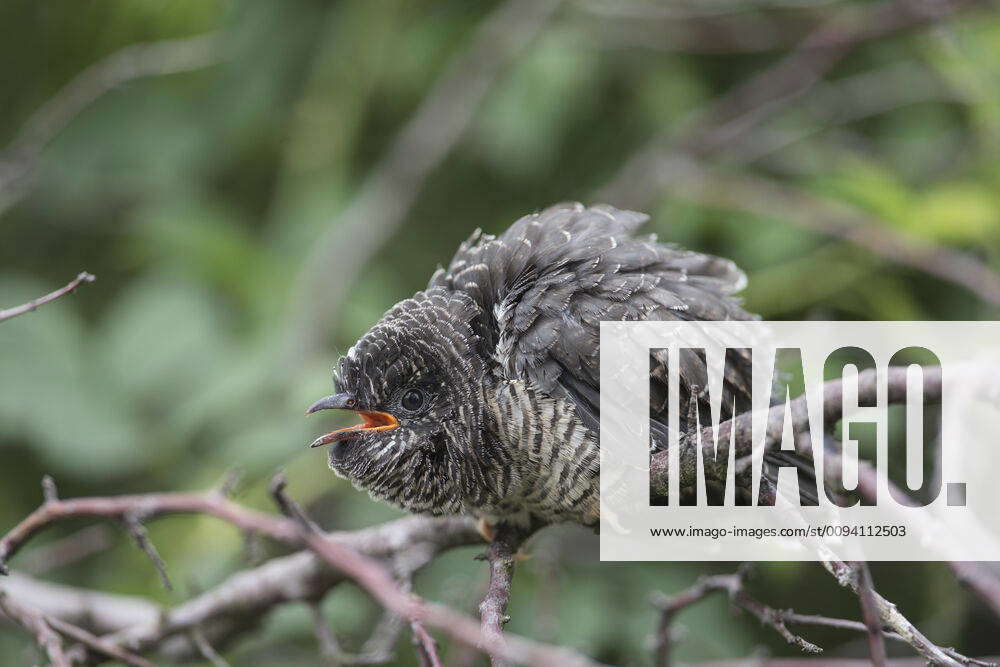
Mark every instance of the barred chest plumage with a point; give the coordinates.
(556, 458)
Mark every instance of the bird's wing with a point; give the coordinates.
(546, 283)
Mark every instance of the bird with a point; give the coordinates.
(480, 394)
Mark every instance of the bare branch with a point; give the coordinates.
(425, 645)
(493, 608)
(34, 622)
(96, 643)
(670, 606)
(298, 577)
(98, 612)
(49, 491)
(289, 507)
(388, 193)
(869, 612)
(141, 536)
(206, 650)
(83, 277)
(732, 585)
(149, 506)
(377, 650)
(368, 574)
(222, 612)
(974, 576)
(847, 576)
(780, 619)
(357, 566)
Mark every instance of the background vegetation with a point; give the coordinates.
(211, 201)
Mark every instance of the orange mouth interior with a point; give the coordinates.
(371, 421)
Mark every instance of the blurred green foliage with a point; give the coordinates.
(195, 197)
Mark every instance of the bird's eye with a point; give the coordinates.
(412, 400)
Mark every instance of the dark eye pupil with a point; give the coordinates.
(413, 399)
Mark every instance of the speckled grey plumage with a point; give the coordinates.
(504, 343)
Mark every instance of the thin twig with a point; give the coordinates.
(733, 586)
(150, 505)
(847, 576)
(372, 577)
(779, 619)
(425, 645)
(35, 623)
(670, 606)
(377, 650)
(133, 522)
(870, 615)
(277, 488)
(493, 608)
(206, 649)
(83, 277)
(96, 643)
(973, 575)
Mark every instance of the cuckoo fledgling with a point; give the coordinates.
(480, 395)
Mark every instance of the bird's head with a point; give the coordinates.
(415, 380)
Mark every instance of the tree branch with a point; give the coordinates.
(35, 623)
(870, 615)
(847, 576)
(82, 277)
(355, 565)
(96, 643)
(500, 556)
(231, 608)
(733, 586)
(779, 619)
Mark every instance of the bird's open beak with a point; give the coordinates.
(371, 421)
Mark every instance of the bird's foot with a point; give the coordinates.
(485, 529)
